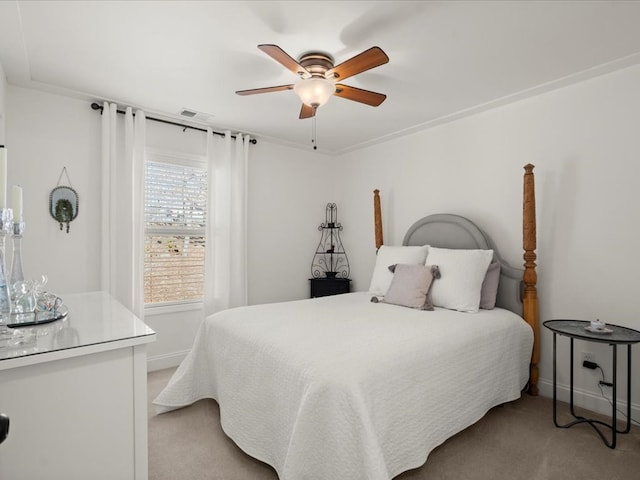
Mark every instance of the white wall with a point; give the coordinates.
(45, 133)
(3, 96)
(585, 143)
(287, 199)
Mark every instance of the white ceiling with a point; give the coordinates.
(447, 59)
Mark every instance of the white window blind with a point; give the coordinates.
(175, 214)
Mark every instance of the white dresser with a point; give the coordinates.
(77, 396)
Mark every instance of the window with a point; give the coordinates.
(175, 215)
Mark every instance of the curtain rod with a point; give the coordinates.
(95, 106)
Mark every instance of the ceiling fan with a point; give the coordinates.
(318, 77)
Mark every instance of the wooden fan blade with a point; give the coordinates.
(284, 59)
(374, 57)
(359, 95)
(307, 112)
(253, 91)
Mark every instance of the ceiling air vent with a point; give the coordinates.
(195, 115)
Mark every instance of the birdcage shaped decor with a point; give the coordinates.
(330, 259)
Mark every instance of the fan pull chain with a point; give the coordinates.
(313, 133)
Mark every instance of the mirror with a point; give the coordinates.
(63, 205)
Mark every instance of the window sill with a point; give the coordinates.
(151, 310)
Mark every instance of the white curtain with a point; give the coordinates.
(226, 254)
(122, 206)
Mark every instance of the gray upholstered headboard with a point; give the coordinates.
(453, 231)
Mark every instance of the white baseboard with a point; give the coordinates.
(593, 401)
(168, 360)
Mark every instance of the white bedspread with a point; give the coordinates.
(341, 388)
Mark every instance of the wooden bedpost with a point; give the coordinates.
(530, 277)
(377, 218)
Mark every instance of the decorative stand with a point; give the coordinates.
(330, 266)
(330, 260)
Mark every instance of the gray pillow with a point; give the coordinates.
(411, 286)
(489, 290)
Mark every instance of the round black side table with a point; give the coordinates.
(614, 336)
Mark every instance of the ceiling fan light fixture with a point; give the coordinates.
(314, 91)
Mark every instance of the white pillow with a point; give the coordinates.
(462, 273)
(387, 256)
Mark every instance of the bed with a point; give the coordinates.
(342, 387)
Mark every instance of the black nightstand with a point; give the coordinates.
(614, 335)
(321, 287)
